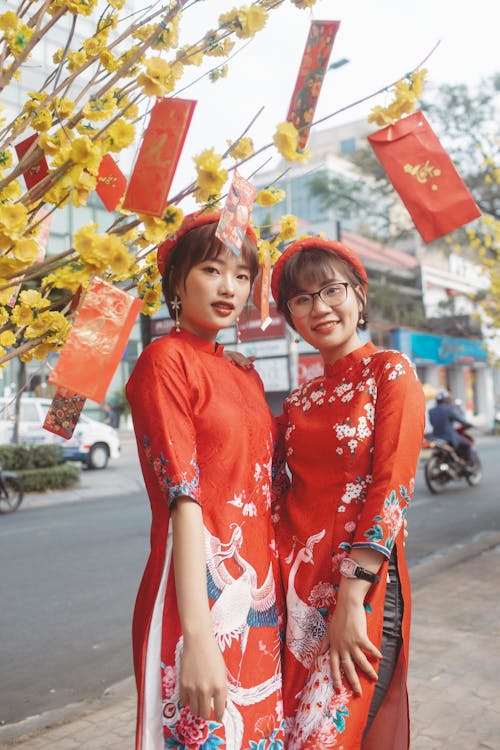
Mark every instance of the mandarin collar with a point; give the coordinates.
(199, 343)
(343, 364)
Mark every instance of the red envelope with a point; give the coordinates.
(310, 77)
(160, 150)
(236, 213)
(424, 176)
(64, 413)
(98, 338)
(39, 170)
(111, 182)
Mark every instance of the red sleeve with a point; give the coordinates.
(399, 420)
(160, 394)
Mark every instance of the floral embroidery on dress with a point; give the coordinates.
(272, 734)
(170, 487)
(389, 523)
(193, 733)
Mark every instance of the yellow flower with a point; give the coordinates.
(100, 108)
(288, 227)
(269, 196)
(26, 250)
(190, 55)
(7, 339)
(119, 135)
(131, 112)
(173, 217)
(92, 46)
(5, 159)
(86, 153)
(52, 143)
(117, 4)
(85, 239)
(406, 93)
(33, 299)
(42, 121)
(8, 21)
(13, 218)
(76, 60)
(44, 324)
(242, 148)
(11, 192)
(217, 47)
(304, 3)
(211, 177)
(286, 141)
(155, 230)
(108, 60)
(158, 79)
(245, 21)
(168, 34)
(22, 315)
(19, 38)
(82, 188)
(40, 351)
(13, 221)
(4, 316)
(63, 108)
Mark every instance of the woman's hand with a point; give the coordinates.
(202, 680)
(239, 359)
(347, 639)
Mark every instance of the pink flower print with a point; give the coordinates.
(337, 559)
(392, 518)
(168, 682)
(322, 595)
(250, 510)
(350, 526)
(192, 731)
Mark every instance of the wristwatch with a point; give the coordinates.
(350, 569)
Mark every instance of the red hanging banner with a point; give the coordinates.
(38, 171)
(111, 182)
(310, 77)
(424, 176)
(159, 153)
(97, 340)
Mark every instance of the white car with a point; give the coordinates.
(93, 442)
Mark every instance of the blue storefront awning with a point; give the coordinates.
(426, 348)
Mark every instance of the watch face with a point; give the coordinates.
(347, 567)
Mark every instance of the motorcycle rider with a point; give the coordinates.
(443, 417)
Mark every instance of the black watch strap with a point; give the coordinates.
(366, 575)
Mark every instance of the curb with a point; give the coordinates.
(11, 734)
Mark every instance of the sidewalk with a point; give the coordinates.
(455, 662)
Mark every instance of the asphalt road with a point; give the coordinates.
(70, 574)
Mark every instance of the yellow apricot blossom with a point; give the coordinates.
(7, 338)
(86, 153)
(118, 135)
(33, 299)
(22, 315)
(288, 227)
(270, 196)
(244, 21)
(155, 229)
(286, 140)
(242, 149)
(13, 220)
(108, 60)
(210, 175)
(100, 108)
(406, 93)
(26, 250)
(159, 77)
(173, 217)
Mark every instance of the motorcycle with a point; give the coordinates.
(11, 491)
(444, 463)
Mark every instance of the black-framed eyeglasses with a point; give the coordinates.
(333, 294)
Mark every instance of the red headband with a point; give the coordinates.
(191, 221)
(310, 243)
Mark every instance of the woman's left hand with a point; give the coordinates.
(349, 645)
(239, 359)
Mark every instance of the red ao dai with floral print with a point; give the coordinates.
(352, 443)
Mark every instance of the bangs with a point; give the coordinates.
(317, 266)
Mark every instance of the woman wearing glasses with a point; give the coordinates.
(352, 440)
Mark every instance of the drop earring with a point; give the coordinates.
(176, 306)
(361, 321)
(238, 336)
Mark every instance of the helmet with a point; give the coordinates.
(442, 395)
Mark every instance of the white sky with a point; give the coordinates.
(382, 39)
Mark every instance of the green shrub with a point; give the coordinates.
(38, 455)
(52, 478)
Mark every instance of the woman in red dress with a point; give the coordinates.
(205, 629)
(352, 439)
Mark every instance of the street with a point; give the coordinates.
(71, 571)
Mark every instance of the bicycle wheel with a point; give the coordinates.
(11, 494)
